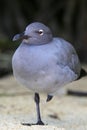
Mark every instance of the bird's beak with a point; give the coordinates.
(20, 36)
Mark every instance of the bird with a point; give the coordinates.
(44, 63)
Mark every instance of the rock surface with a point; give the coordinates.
(62, 113)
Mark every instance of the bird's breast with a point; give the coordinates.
(30, 62)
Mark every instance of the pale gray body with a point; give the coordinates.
(46, 68)
(43, 63)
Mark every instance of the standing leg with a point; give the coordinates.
(37, 101)
(39, 121)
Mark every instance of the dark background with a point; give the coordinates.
(66, 18)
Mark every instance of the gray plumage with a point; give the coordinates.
(42, 62)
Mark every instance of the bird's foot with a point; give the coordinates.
(40, 123)
(29, 124)
(49, 97)
(26, 124)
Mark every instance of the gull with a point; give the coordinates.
(44, 63)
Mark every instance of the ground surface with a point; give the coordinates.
(62, 113)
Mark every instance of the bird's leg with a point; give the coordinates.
(39, 121)
(37, 101)
(49, 97)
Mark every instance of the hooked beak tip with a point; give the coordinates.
(14, 39)
(18, 37)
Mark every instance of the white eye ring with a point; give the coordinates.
(41, 32)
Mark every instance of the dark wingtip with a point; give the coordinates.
(83, 73)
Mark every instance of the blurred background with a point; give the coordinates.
(66, 18)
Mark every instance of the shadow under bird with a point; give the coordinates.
(44, 63)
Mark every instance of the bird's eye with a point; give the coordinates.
(40, 32)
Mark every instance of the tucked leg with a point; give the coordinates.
(49, 97)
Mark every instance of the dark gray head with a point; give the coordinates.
(35, 33)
